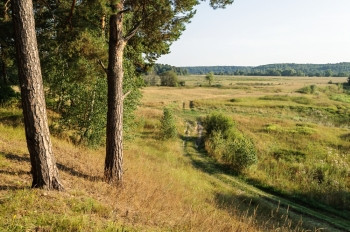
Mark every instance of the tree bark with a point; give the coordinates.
(114, 145)
(44, 170)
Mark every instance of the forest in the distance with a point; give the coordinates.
(282, 69)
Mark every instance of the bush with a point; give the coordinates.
(218, 122)
(227, 144)
(240, 152)
(169, 78)
(216, 145)
(311, 89)
(168, 127)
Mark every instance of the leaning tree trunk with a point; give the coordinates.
(114, 145)
(44, 170)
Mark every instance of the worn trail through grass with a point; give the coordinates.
(220, 175)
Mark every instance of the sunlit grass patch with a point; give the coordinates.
(341, 98)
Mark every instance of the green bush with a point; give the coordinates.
(227, 144)
(240, 152)
(215, 144)
(168, 127)
(169, 78)
(218, 122)
(311, 89)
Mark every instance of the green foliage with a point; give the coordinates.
(241, 152)
(7, 94)
(162, 68)
(284, 69)
(227, 144)
(310, 89)
(85, 111)
(341, 97)
(209, 77)
(169, 78)
(218, 122)
(168, 126)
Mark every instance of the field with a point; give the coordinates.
(301, 182)
(299, 125)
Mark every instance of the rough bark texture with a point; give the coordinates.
(114, 144)
(44, 170)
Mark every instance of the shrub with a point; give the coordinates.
(218, 122)
(168, 127)
(169, 78)
(311, 89)
(228, 144)
(216, 145)
(240, 152)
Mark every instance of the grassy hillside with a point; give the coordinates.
(173, 186)
(163, 191)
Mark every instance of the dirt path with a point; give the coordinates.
(311, 217)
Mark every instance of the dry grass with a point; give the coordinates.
(161, 192)
(241, 87)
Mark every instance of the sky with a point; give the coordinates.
(257, 32)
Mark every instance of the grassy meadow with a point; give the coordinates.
(300, 127)
(300, 183)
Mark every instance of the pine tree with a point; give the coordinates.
(44, 170)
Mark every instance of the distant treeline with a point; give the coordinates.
(162, 68)
(286, 69)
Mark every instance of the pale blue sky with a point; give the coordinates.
(256, 32)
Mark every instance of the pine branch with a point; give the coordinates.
(102, 65)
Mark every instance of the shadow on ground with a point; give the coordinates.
(61, 167)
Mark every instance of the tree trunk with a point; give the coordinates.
(44, 170)
(114, 145)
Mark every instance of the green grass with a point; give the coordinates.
(341, 97)
(302, 140)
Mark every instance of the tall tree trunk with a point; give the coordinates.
(44, 170)
(114, 145)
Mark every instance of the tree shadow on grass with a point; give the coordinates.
(11, 119)
(259, 211)
(14, 157)
(60, 166)
(12, 187)
(203, 162)
(76, 173)
(14, 173)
